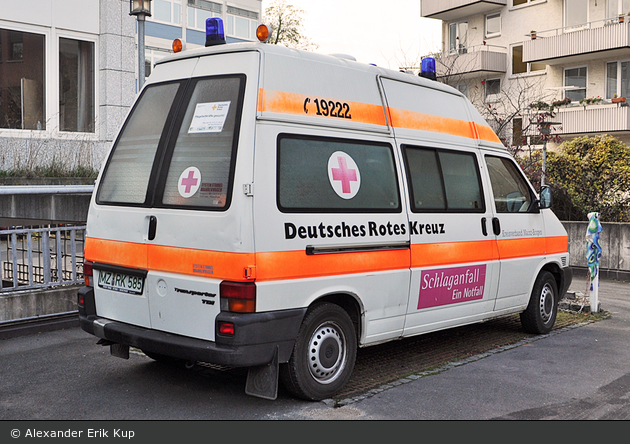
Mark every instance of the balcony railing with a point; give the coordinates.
(472, 61)
(569, 44)
(604, 118)
(455, 9)
(41, 257)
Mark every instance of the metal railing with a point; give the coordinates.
(41, 257)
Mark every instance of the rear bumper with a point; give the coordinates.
(254, 343)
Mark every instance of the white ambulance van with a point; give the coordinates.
(277, 209)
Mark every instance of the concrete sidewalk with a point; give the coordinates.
(576, 373)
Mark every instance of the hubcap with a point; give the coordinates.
(546, 303)
(326, 353)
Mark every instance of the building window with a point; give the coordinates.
(616, 7)
(520, 67)
(458, 37)
(575, 13)
(201, 10)
(169, 11)
(617, 79)
(524, 2)
(22, 83)
(575, 83)
(241, 23)
(493, 88)
(76, 85)
(493, 24)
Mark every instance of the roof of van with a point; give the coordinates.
(341, 59)
(377, 99)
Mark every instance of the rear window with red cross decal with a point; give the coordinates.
(189, 164)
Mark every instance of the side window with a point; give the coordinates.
(443, 180)
(126, 177)
(335, 175)
(509, 188)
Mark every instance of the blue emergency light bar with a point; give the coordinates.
(427, 69)
(214, 32)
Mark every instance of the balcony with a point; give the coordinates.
(606, 118)
(473, 61)
(606, 38)
(449, 10)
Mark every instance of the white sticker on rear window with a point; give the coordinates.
(209, 117)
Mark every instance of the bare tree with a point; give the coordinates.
(286, 26)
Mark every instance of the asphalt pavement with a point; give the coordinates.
(577, 373)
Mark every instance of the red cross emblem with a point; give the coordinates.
(343, 174)
(189, 182)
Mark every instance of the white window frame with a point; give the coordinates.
(618, 9)
(491, 98)
(86, 38)
(564, 78)
(231, 17)
(457, 47)
(171, 21)
(529, 71)
(527, 3)
(494, 34)
(618, 69)
(577, 27)
(51, 79)
(193, 10)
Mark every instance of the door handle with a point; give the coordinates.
(496, 226)
(484, 230)
(152, 227)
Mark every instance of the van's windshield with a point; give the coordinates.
(177, 147)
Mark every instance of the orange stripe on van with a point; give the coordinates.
(284, 265)
(283, 102)
(451, 253)
(273, 266)
(125, 254)
(303, 105)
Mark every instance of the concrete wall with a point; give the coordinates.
(615, 243)
(27, 304)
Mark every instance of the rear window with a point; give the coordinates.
(126, 178)
(178, 146)
(336, 175)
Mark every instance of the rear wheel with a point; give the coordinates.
(540, 314)
(323, 355)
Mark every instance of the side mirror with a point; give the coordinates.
(545, 197)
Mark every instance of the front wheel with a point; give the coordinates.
(541, 312)
(323, 355)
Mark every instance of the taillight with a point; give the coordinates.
(238, 296)
(88, 274)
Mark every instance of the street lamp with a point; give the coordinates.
(545, 130)
(141, 9)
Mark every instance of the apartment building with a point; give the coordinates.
(508, 54)
(186, 20)
(68, 70)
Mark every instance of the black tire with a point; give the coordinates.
(323, 355)
(541, 312)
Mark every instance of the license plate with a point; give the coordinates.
(124, 283)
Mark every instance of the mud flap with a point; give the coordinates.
(262, 380)
(119, 350)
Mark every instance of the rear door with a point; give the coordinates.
(165, 211)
